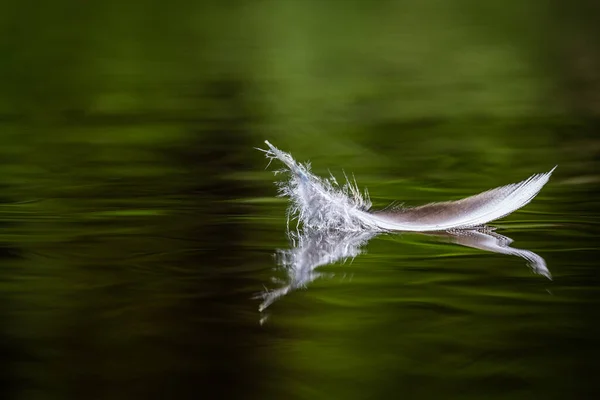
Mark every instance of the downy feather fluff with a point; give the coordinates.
(321, 203)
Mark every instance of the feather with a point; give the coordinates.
(319, 203)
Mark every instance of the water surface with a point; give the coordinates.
(139, 224)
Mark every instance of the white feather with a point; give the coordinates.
(323, 204)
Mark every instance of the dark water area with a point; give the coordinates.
(139, 225)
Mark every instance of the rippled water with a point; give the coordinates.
(137, 294)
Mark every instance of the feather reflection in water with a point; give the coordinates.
(485, 239)
(314, 248)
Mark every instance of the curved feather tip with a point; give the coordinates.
(322, 203)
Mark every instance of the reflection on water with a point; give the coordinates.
(313, 248)
(485, 239)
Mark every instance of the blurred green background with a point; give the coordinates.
(138, 220)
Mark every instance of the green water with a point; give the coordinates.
(138, 222)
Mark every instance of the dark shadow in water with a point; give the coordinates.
(314, 248)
